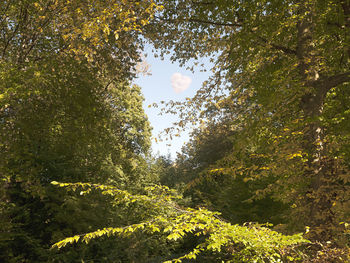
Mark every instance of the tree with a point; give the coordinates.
(282, 66)
(106, 34)
(59, 123)
(205, 166)
(67, 112)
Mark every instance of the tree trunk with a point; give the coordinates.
(319, 197)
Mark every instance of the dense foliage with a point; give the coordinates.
(281, 85)
(67, 112)
(272, 143)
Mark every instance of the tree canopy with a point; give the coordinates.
(281, 77)
(271, 143)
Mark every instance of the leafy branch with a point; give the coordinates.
(253, 242)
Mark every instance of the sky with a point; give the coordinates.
(167, 81)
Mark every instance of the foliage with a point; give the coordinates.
(252, 243)
(103, 33)
(227, 188)
(67, 112)
(274, 128)
(59, 122)
(281, 76)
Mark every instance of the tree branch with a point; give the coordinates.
(279, 47)
(213, 23)
(200, 21)
(235, 25)
(336, 80)
(203, 3)
(327, 83)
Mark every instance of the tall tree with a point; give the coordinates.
(284, 70)
(67, 112)
(60, 123)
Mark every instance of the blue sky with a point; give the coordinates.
(168, 81)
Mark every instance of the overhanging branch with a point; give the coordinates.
(278, 47)
(327, 83)
(195, 20)
(337, 80)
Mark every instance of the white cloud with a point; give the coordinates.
(180, 82)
